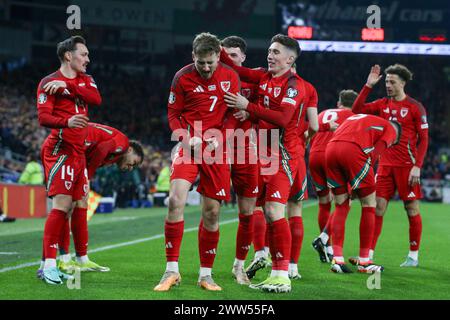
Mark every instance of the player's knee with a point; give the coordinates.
(175, 202)
(412, 208)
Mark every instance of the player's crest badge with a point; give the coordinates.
(246, 92)
(42, 98)
(276, 91)
(225, 85)
(403, 112)
(68, 184)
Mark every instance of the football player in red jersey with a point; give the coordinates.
(244, 176)
(350, 155)
(197, 95)
(400, 166)
(308, 127)
(281, 92)
(317, 168)
(62, 102)
(105, 146)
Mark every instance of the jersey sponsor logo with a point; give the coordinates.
(246, 92)
(225, 85)
(292, 93)
(411, 194)
(118, 150)
(403, 112)
(172, 98)
(394, 112)
(386, 110)
(212, 87)
(276, 91)
(288, 100)
(42, 98)
(68, 184)
(199, 89)
(82, 84)
(269, 90)
(256, 190)
(263, 86)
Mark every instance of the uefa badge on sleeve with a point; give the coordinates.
(42, 98)
(171, 98)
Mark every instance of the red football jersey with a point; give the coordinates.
(193, 98)
(365, 131)
(320, 140)
(277, 108)
(312, 101)
(250, 91)
(104, 146)
(55, 110)
(413, 119)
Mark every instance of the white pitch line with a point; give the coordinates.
(9, 253)
(128, 243)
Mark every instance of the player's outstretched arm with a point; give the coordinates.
(246, 74)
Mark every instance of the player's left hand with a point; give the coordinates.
(212, 143)
(414, 176)
(236, 101)
(53, 86)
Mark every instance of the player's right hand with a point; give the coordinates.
(78, 121)
(241, 115)
(195, 142)
(374, 76)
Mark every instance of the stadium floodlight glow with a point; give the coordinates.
(300, 32)
(375, 47)
(372, 34)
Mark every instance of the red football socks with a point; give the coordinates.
(324, 215)
(297, 232)
(376, 231)
(80, 231)
(244, 236)
(52, 232)
(280, 244)
(415, 232)
(259, 230)
(208, 247)
(366, 230)
(64, 243)
(173, 232)
(338, 227)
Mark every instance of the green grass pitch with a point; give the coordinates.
(131, 243)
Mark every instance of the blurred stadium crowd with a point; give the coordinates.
(135, 103)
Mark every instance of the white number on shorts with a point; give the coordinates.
(357, 116)
(329, 116)
(66, 170)
(213, 103)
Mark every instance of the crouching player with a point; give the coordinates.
(350, 155)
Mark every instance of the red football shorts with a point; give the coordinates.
(245, 179)
(214, 178)
(390, 179)
(318, 170)
(65, 173)
(276, 187)
(347, 163)
(299, 190)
